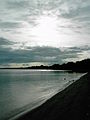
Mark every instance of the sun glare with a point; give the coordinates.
(49, 30)
(46, 31)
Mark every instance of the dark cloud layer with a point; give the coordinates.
(5, 42)
(19, 17)
(49, 55)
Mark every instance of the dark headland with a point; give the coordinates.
(73, 103)
(78, 66)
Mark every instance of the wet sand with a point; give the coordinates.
(73, 103)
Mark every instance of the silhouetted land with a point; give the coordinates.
(73, 103)
(79, 66)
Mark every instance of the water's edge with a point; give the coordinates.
(27, 108)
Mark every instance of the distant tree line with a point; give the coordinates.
(79, 66)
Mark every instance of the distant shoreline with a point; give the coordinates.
(79, 66)
(71, 103)
(66, 70)
(36, 69)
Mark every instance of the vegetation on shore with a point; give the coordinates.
(79, 66)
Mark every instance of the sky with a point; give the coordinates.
(35, 32)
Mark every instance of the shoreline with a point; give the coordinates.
(25, 111)
(70, 103)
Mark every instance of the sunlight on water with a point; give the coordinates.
(21, 90)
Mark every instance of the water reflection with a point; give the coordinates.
(22, 89)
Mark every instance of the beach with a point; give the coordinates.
(73, 103)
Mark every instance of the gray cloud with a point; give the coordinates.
(10, 24)
(16, 14)
(28, 10)
(18, 4)
(4, 41)
(49, 55)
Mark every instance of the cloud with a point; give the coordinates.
(4, 41)
(20, 20)
(9, 24)
(47, 55)
(28, 11)
(17, 4)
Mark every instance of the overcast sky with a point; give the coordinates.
(35, 32)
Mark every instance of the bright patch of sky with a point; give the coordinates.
(29, 24)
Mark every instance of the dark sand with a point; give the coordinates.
(73, 103)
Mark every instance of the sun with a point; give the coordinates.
(46, 31)
(49, 30)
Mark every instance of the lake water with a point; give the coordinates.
(23, 90)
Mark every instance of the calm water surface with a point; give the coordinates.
(23, 90)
